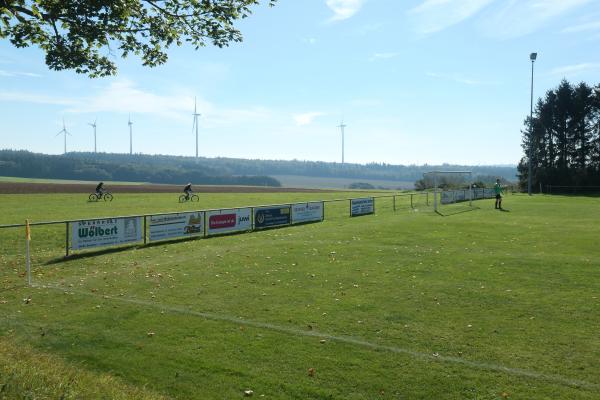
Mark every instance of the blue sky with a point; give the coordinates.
(416, 81)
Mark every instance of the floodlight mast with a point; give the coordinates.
(532, 57)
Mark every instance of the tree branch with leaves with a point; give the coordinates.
(79, 34)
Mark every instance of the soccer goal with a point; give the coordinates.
(450, 187)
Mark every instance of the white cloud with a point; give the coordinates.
(343, 9)
(583, 27)
(34, 98)
(11, 74)
(306, 118)
(521, 17)
(436, 15)
(575, 69)
(122, 96)
(383, 56)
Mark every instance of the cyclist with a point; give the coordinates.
(188, 191)
(100, 189)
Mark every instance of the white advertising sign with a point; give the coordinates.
(362, 206)
(307, 212)
(229, 220)
(105, 232)
(167, 226)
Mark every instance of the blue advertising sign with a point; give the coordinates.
(266, 217)
(362, 206)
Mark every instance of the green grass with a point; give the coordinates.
(477, 305)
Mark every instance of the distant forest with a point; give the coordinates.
(225, 171)
(564, 138)
(115, 167)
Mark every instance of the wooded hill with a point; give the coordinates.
(227, 171)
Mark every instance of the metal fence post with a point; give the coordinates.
(394, 198)
(145, 236)
(67, 240)
(427, 197)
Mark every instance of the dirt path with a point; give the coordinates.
(27, 188)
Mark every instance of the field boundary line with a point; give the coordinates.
(557, 379)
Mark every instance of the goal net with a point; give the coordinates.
(450, 187)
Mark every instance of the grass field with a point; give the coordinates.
(398, 305)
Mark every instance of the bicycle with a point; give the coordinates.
(107, 196)
(184, 197)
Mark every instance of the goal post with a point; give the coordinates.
(437, 177)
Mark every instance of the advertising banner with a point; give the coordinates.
(461, 195)
(168, 226)
(362, 206)
(307, 212)
(105, 232)
(228, 220)
(266, 217)
(447, 197)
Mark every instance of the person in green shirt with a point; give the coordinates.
(498, 191)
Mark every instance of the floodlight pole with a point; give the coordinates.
(532, 57)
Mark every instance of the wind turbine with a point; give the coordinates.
(342, 126)
(65, 133)
(195, 125)
(94, 126)
(130, 135)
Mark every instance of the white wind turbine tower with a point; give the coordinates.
(130, 135)
(195, 125)
(94, 126)
(342, 126)
(65, 133)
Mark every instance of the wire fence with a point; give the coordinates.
(52, 236)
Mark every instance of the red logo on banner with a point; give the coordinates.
(221, 221)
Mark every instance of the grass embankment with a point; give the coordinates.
(483, 304)
(27, 373)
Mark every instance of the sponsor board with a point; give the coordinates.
(228, 220)
(105, 232)
(447, 197)
(362, 206)
(265, 217)
(168, 226)
(307, 212)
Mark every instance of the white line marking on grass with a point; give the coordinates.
(344, 339)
